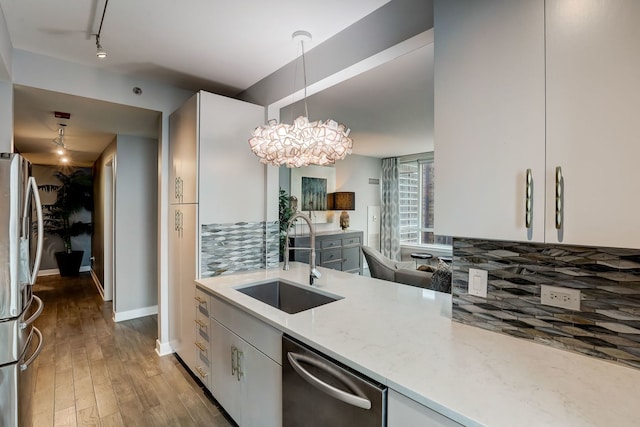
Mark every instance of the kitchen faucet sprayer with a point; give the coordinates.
(313, 271)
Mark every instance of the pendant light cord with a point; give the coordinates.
(304, 76)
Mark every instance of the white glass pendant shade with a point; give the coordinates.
(302, 143)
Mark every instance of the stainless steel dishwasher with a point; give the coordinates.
(317, 391)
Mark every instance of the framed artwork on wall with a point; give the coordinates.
(310, 185)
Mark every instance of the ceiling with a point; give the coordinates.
(216, 45)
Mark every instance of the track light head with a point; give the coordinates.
(100, 52)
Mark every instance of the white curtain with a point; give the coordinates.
(389, 210)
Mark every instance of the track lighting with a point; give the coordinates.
(100, 52)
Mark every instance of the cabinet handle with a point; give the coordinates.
(179, 189)
(201, 324)
(239, 355)
(234, 368)
(528, 200)
(200, 346)
(201, 300)
(201, 372)
(559, 208)
(176, 188)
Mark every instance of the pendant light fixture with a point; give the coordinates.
(303, 142)
(59, 141)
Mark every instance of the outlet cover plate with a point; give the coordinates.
(556, 296)
(478, 282)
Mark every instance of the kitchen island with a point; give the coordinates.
(403, 337)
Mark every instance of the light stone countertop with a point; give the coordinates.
(403, 337)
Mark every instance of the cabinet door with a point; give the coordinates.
(186, 284)
(247, 383)
(261, 388)
(175, 262)
(183, 153)
(489, 109)
(402, 411)
(593, 131)
(225, 386)
(229, 167)
(351, 258)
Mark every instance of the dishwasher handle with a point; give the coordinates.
(351, 399)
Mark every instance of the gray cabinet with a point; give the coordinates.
(334, 249)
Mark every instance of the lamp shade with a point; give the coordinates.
(342, 201)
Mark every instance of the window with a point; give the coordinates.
(416, 189)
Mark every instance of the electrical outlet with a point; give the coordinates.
(478, 282)
(560, 297)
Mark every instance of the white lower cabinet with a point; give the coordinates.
(402, 412)
(245, 381)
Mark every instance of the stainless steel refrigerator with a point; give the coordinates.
(20, 252)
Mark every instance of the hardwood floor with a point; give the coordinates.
(94, 372)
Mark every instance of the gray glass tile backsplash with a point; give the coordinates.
(241, 246)
(608, 323)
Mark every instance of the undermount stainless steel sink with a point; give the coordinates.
(287, 297)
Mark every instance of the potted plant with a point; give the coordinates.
(74, 194)
(285, 212)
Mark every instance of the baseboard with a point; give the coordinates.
(134, 314)
(96, 282)
(54, 271)
(163, 348)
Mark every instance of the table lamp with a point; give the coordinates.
(343, 201)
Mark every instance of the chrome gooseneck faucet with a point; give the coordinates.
(313, 271)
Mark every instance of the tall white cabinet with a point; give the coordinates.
(537, 85)
(211, 170)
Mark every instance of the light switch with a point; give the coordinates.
(478, 282)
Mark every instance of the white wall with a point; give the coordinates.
(6, 117)
(5, 50)
(136, 226)
(6, 89)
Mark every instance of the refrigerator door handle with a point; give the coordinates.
(35, 315)
(36, 353)
(32, 189)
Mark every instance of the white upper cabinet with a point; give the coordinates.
(232, 179)
(538, 85)
(489, 118)
(183, 152)
(593, 128)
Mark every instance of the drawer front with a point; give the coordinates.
(203, 303)
(351, 241)
(203, 371)
(330, 255)
(262, 336)
(328, 244)
(335, 265)
(351, 258)
(203, 328)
